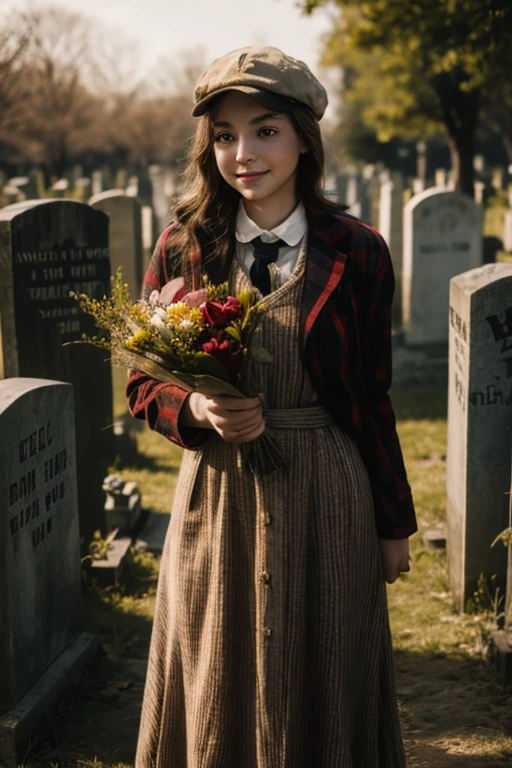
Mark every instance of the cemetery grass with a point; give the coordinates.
(454, 713)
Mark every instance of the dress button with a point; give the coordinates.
(266, 518)
(267, 631)
(265, 577)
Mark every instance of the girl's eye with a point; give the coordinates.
(266, 132)
(222, 137)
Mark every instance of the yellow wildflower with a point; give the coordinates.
(138, 340)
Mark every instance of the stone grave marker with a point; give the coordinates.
(160, 200)
(391, 229)
(150, 234)
(48, 249)
(40, 639)
(97, 182)
(125, 235)
(440, 177)
(479, 425)
(442, 238)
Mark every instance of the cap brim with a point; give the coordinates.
(266, 98)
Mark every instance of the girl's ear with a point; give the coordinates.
(303, 149)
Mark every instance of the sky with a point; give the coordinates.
(168, 27)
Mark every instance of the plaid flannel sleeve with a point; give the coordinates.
(395, 513)
(158, 403)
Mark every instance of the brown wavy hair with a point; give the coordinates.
(206, 212)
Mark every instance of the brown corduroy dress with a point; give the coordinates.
(271, 645)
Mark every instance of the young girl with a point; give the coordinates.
(271, 645)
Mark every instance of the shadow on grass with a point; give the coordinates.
(418, 403)
(454, 711)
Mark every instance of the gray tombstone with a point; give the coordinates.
(40, 637)
(125, 235)
(391, 229)
(48, 249)
(97, 183)
(479, 425)
(442, 238)
(150, 233)
(160, 199)
(440, 177)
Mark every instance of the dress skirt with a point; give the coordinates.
(271, 645)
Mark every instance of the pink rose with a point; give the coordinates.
(195, 298)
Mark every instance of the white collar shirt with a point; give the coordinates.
(292, 231)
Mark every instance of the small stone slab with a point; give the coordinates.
(107, 572)
(17, 725)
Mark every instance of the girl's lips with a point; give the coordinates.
(250, 176)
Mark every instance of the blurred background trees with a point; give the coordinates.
(415, 68)
(71, 92)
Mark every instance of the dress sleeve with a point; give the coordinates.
(160, 403)
(395, 513)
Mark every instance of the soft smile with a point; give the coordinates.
(252, 176)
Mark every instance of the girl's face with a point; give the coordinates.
(257, 152)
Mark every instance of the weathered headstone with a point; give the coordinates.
(97, 182)
(479, 425)
(391, 229)
(40, 638)
(150, 233)
(125, 235)
(61, 188)
(48, 249)
(442, 238)
(479, 187)
(160, 200)
(418, 186)
(440, 177)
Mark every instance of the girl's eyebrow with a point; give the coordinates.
(254, 121)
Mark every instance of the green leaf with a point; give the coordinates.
(207, 364)
(234, 332)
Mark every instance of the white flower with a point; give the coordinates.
(159, 321)
(186, 323)
(153, 298)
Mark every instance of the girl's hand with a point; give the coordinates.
(235, 419)
(395, 558)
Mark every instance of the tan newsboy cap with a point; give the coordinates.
(260, 68)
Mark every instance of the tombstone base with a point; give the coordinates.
(500, 654)
(17, 725)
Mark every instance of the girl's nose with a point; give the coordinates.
(245, 151)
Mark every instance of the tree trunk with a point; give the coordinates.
(460, 109)
(462, 147)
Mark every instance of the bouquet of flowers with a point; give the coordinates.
(200, 341)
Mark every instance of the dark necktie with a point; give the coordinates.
(264, 254)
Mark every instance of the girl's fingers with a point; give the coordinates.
(225, 404)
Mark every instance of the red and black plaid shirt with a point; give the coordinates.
(346, 348)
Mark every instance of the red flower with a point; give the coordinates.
(225, 352)
(220, 315)
(233, 310)
(213, 313)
